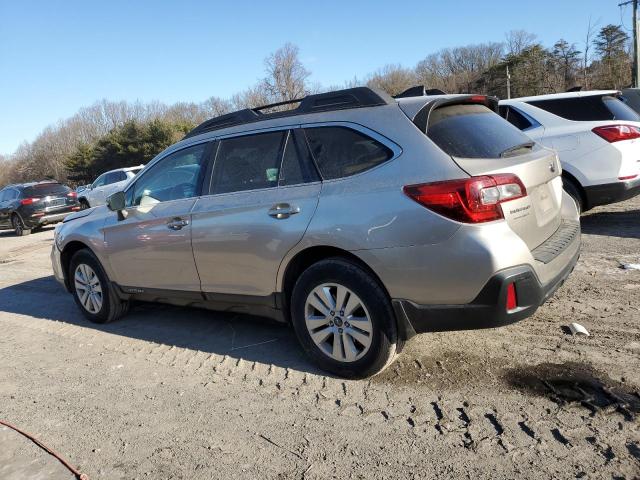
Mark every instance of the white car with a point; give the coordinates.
(597, 138)
(109, 182)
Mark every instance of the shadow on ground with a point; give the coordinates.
(576, 383)
(12, 233)
(238, 336)
(616, 223)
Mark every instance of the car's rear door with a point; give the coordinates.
(263, 193)
(151, 247)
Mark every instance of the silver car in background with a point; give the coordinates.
(358, 218)
(109, 182)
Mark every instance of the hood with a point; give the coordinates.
(80, 214)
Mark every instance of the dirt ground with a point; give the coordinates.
(182, 393)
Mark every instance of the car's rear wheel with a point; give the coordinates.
(574, 192)
(343, 319)
(83, 204)
(92, 290)
(18, 226)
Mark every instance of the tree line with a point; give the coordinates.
(111, 134)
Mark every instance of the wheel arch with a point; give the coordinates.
(569, 176)
(65, 259)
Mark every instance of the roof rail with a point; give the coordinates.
(357, 97)
(419, 91)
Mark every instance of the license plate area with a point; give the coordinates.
(543, 203)
(56, 202)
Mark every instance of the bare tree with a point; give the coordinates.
(519, 40)
(591, 30)
(393, 79)
(286, 77)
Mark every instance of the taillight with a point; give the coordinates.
(29, 201)
(72, 195)
(469, 200)
(512, 300)
(628, 177)
(617, 133)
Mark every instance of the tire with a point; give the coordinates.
(574, 192)
(105, 307)
(18, 226)
(379, 346)
(83, 204)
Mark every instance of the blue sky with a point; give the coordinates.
(57, 56)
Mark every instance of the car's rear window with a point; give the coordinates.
(473, 131)
(588, 109)
(43, 189)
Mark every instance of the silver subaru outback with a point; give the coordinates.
(358, 218)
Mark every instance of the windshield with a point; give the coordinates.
(474, 131)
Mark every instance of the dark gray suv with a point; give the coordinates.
(358, 218)
(29, 206)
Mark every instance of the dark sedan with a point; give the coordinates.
(28, 206)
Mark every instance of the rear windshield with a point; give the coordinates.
(474, 131)
(588, 109)
(46, 189)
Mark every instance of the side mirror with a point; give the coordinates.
(116, 202)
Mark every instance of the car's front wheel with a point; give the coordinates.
(92, 290)
(343, 319)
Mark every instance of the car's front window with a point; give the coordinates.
(99, 182)
(175, 177)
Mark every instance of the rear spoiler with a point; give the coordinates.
(421, 118)
(419, 91)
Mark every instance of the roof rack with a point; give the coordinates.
(321, 102)
(419, 91)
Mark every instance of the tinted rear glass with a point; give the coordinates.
(588, 109)
(46, 189)
(473, 131)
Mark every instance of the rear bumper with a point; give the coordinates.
(611, 192)
(48, 218)
(488, 309)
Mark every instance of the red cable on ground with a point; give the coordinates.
(78, 475)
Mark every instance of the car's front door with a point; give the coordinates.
(151, 247)
(262, 198)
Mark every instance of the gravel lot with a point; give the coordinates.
(182, 393)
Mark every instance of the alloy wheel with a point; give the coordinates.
(88, 288)
(338, 322)
(17, 226)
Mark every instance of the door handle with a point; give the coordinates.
(177, 223)
(283, 210)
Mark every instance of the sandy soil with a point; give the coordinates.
(181, 393)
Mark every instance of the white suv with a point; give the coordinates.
(106, 184)
(596, 136)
